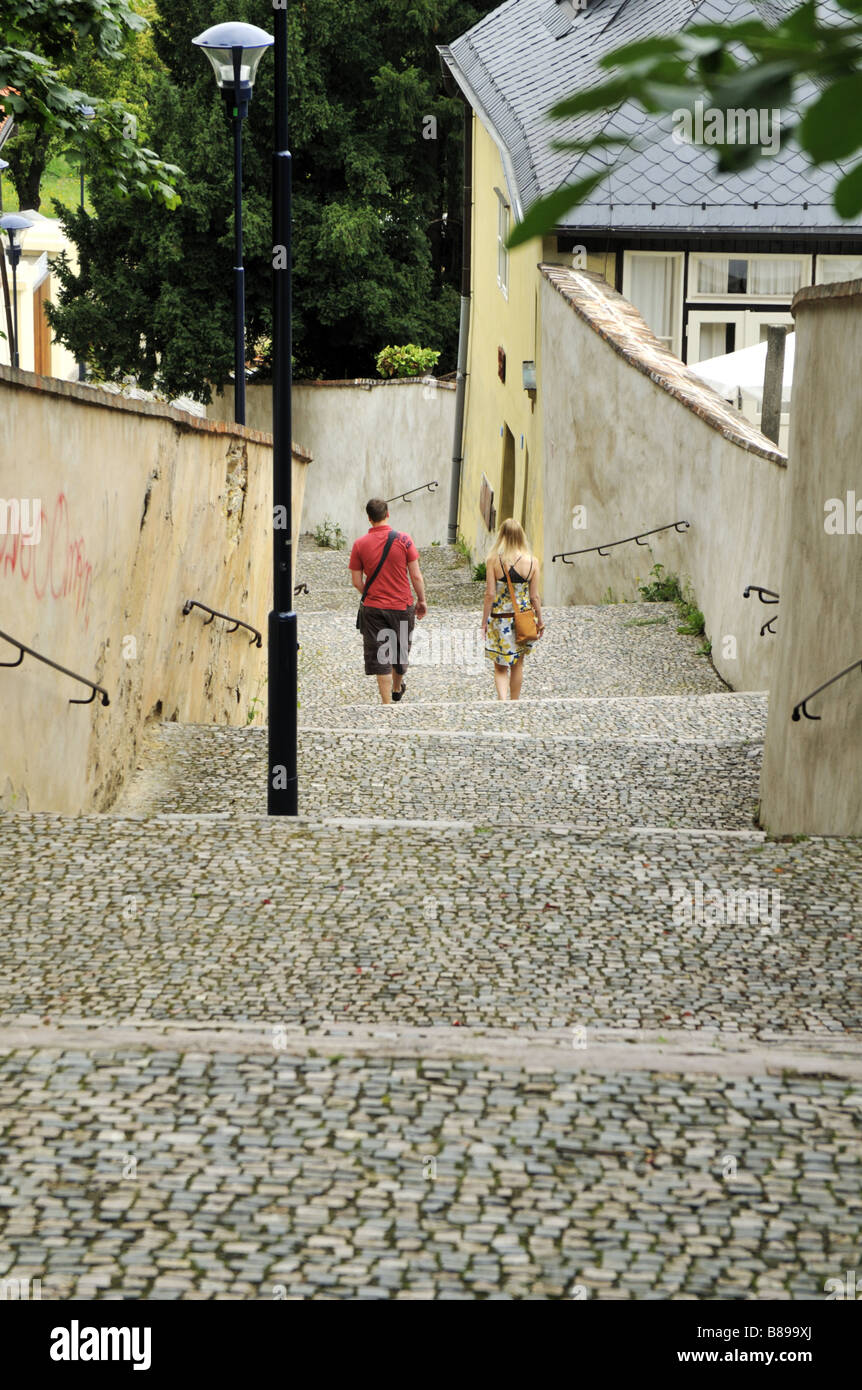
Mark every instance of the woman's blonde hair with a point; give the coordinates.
(510, 543)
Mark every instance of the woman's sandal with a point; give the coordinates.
(396, 694)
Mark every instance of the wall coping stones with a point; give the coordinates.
(621, 326)
(813, 294)
(368, 381)
(107, 400)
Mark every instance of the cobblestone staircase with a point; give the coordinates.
(524, 1005)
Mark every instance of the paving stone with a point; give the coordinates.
(596, 892)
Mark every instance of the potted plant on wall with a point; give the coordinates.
(409, 360)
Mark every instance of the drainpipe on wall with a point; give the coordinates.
(464, 327)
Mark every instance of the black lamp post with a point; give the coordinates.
(283, 784)
(88, 112)
(282, 781)
(235, 50)
(4, 278)
(14, 225)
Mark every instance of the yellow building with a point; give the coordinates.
(502, 443)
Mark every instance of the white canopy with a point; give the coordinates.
(743, 371)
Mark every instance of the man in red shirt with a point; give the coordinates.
(387, 610)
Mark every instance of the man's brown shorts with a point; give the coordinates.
(386, 637)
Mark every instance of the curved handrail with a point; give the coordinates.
(609, 545)
(802, 703)
(402, 496)
(760, 591)
(191, 603)
(55, 665)
(761, 594)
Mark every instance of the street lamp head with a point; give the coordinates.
(14, 225)
(235, 51)
(88, 112)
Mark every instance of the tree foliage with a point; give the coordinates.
(376, 148)
(731, 67)
(44, 46)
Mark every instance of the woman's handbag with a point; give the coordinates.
(524, 618)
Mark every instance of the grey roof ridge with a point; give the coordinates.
(478, 106)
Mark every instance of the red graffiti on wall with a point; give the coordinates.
(57, 566)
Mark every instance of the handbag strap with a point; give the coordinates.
(386, 549)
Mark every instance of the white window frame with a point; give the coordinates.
(704, 297)
(698, 317)
(504, 220)
(833, 256)
(747, 321)
(678, 257)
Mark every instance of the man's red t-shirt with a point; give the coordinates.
(391, 588)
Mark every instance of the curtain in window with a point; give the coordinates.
(783, 277)
(652, 290)
(713, 341)
(712, 274)
(831, 269)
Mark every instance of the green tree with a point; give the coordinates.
(41, 93)
(732, 67)
(377, 202)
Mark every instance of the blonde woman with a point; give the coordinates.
(510, 553)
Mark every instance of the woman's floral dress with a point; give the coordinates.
(501, 645)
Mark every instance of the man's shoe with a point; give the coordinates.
(396, 694)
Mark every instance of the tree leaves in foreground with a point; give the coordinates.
(40, 42)
(733, 67)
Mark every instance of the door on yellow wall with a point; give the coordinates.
(525, 493)
(507, 487)
(41, 329)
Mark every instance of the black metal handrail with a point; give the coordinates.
(761, 594)
(431, 487)
(802, 703)
(609, 545)
(760, 591)
(191, 603)
(25, 650)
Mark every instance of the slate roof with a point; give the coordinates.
(527, 54)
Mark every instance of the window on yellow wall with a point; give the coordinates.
(503, 222)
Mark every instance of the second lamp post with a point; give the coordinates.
(14, 225)
(235, 50)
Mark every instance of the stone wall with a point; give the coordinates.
(812, 770)
(142, 507)
(631, 436)
(367, 439)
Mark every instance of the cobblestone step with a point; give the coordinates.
(254, 919)
(668, 718)
(142, 1174)
(502, 776)
(586, 652)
